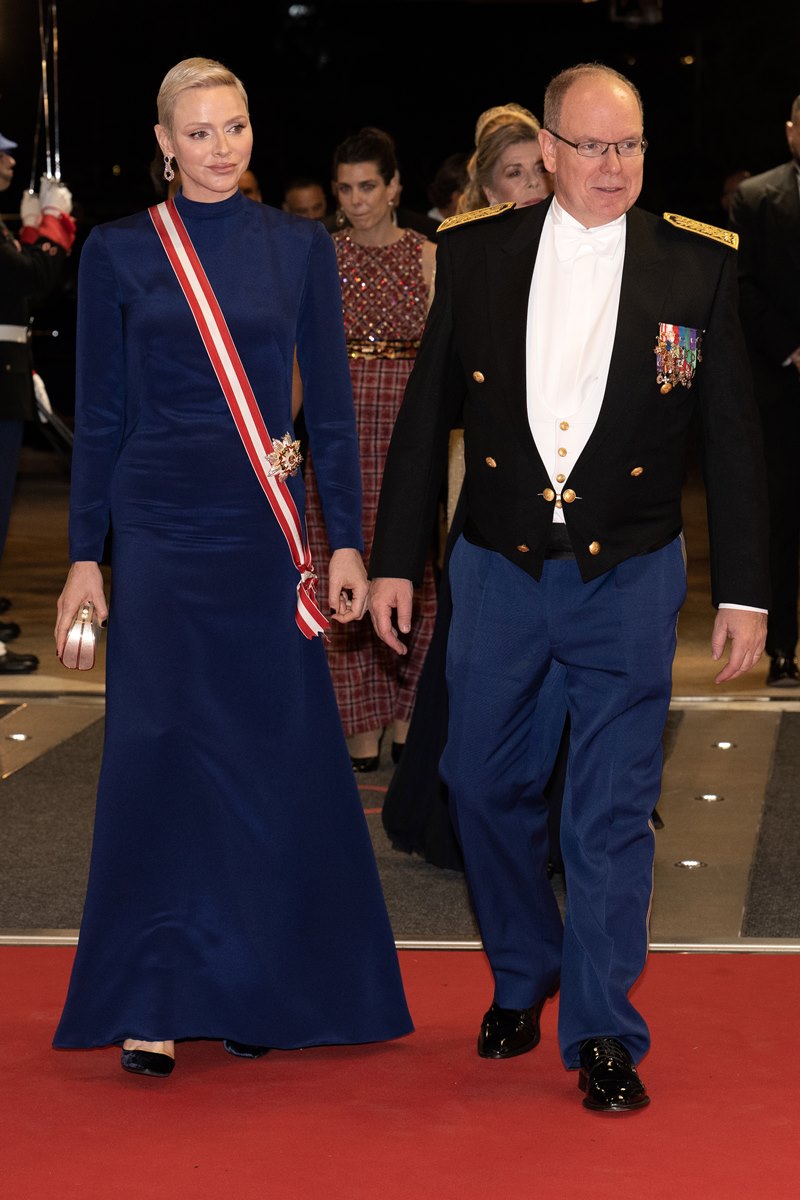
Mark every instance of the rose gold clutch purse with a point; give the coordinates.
(81, 643)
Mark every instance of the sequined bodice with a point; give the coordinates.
(384, 294)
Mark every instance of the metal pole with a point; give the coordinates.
(35, 152)
(43, 43)
(56, 140)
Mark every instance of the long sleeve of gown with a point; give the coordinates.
(327, 396)
(99, 400)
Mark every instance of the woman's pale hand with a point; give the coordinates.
(348, 586)
(84, 582)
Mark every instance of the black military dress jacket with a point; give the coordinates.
(27, 274)
(622, 497)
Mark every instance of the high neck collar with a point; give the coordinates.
(200, 211)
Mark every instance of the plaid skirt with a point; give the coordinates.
(374, 686)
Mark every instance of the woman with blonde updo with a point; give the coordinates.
(506, 164)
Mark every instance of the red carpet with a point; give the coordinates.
(422, 1118)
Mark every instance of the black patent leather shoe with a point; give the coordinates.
(783, 671)
(506, 1032)
(243, 1050)
(9, 630)
(609, 1078)
(18, 664)
(146, 1062)
(363, 765)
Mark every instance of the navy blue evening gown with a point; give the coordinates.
(233, 891)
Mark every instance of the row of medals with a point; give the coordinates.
(677, 352)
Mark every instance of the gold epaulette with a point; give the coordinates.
(726, 236)
(477, 214)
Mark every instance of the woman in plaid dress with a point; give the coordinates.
(386, 274)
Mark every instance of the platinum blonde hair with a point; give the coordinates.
(193, 73)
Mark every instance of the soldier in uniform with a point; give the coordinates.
(31, 266)
(575, 339)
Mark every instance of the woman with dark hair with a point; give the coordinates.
(386, 276)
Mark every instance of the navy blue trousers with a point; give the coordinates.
(519, 650)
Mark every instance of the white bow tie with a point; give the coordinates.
(569, 240)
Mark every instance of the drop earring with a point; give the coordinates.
(169, 174)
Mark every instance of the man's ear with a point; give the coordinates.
(548, 146)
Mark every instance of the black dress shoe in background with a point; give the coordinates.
(147, 1062)
(244, 1050)
(506, 1032)
(8, 631)
(783, 671)
(17, 664)
(609, 1078)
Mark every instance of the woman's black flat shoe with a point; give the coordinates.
(146, 1062)
(366, 764)
(242, 1050)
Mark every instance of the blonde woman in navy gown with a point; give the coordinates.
(233, 892)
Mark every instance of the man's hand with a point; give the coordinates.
(385, 596)
(348, 586)
(747, 632)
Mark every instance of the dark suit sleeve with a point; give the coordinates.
(767, 322)
(29, 273)
(732, 452)
(417, 460)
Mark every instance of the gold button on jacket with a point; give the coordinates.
(548, 494)
(490, 461)
(568, 496)
(637, 471)
(594, 547)
(478, 376)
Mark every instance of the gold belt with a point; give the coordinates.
(364, 348)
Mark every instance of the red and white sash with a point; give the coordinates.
(245, 411)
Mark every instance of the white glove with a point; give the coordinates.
(30, 210)
(44, 408)
(56, 198)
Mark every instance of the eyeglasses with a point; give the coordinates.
(630, 148)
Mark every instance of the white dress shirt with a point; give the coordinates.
(572, 320)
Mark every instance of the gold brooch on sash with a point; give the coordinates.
(285, 458)
(677, 352)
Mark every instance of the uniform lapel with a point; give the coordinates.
(509, 276)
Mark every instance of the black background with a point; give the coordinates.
(422, 69)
